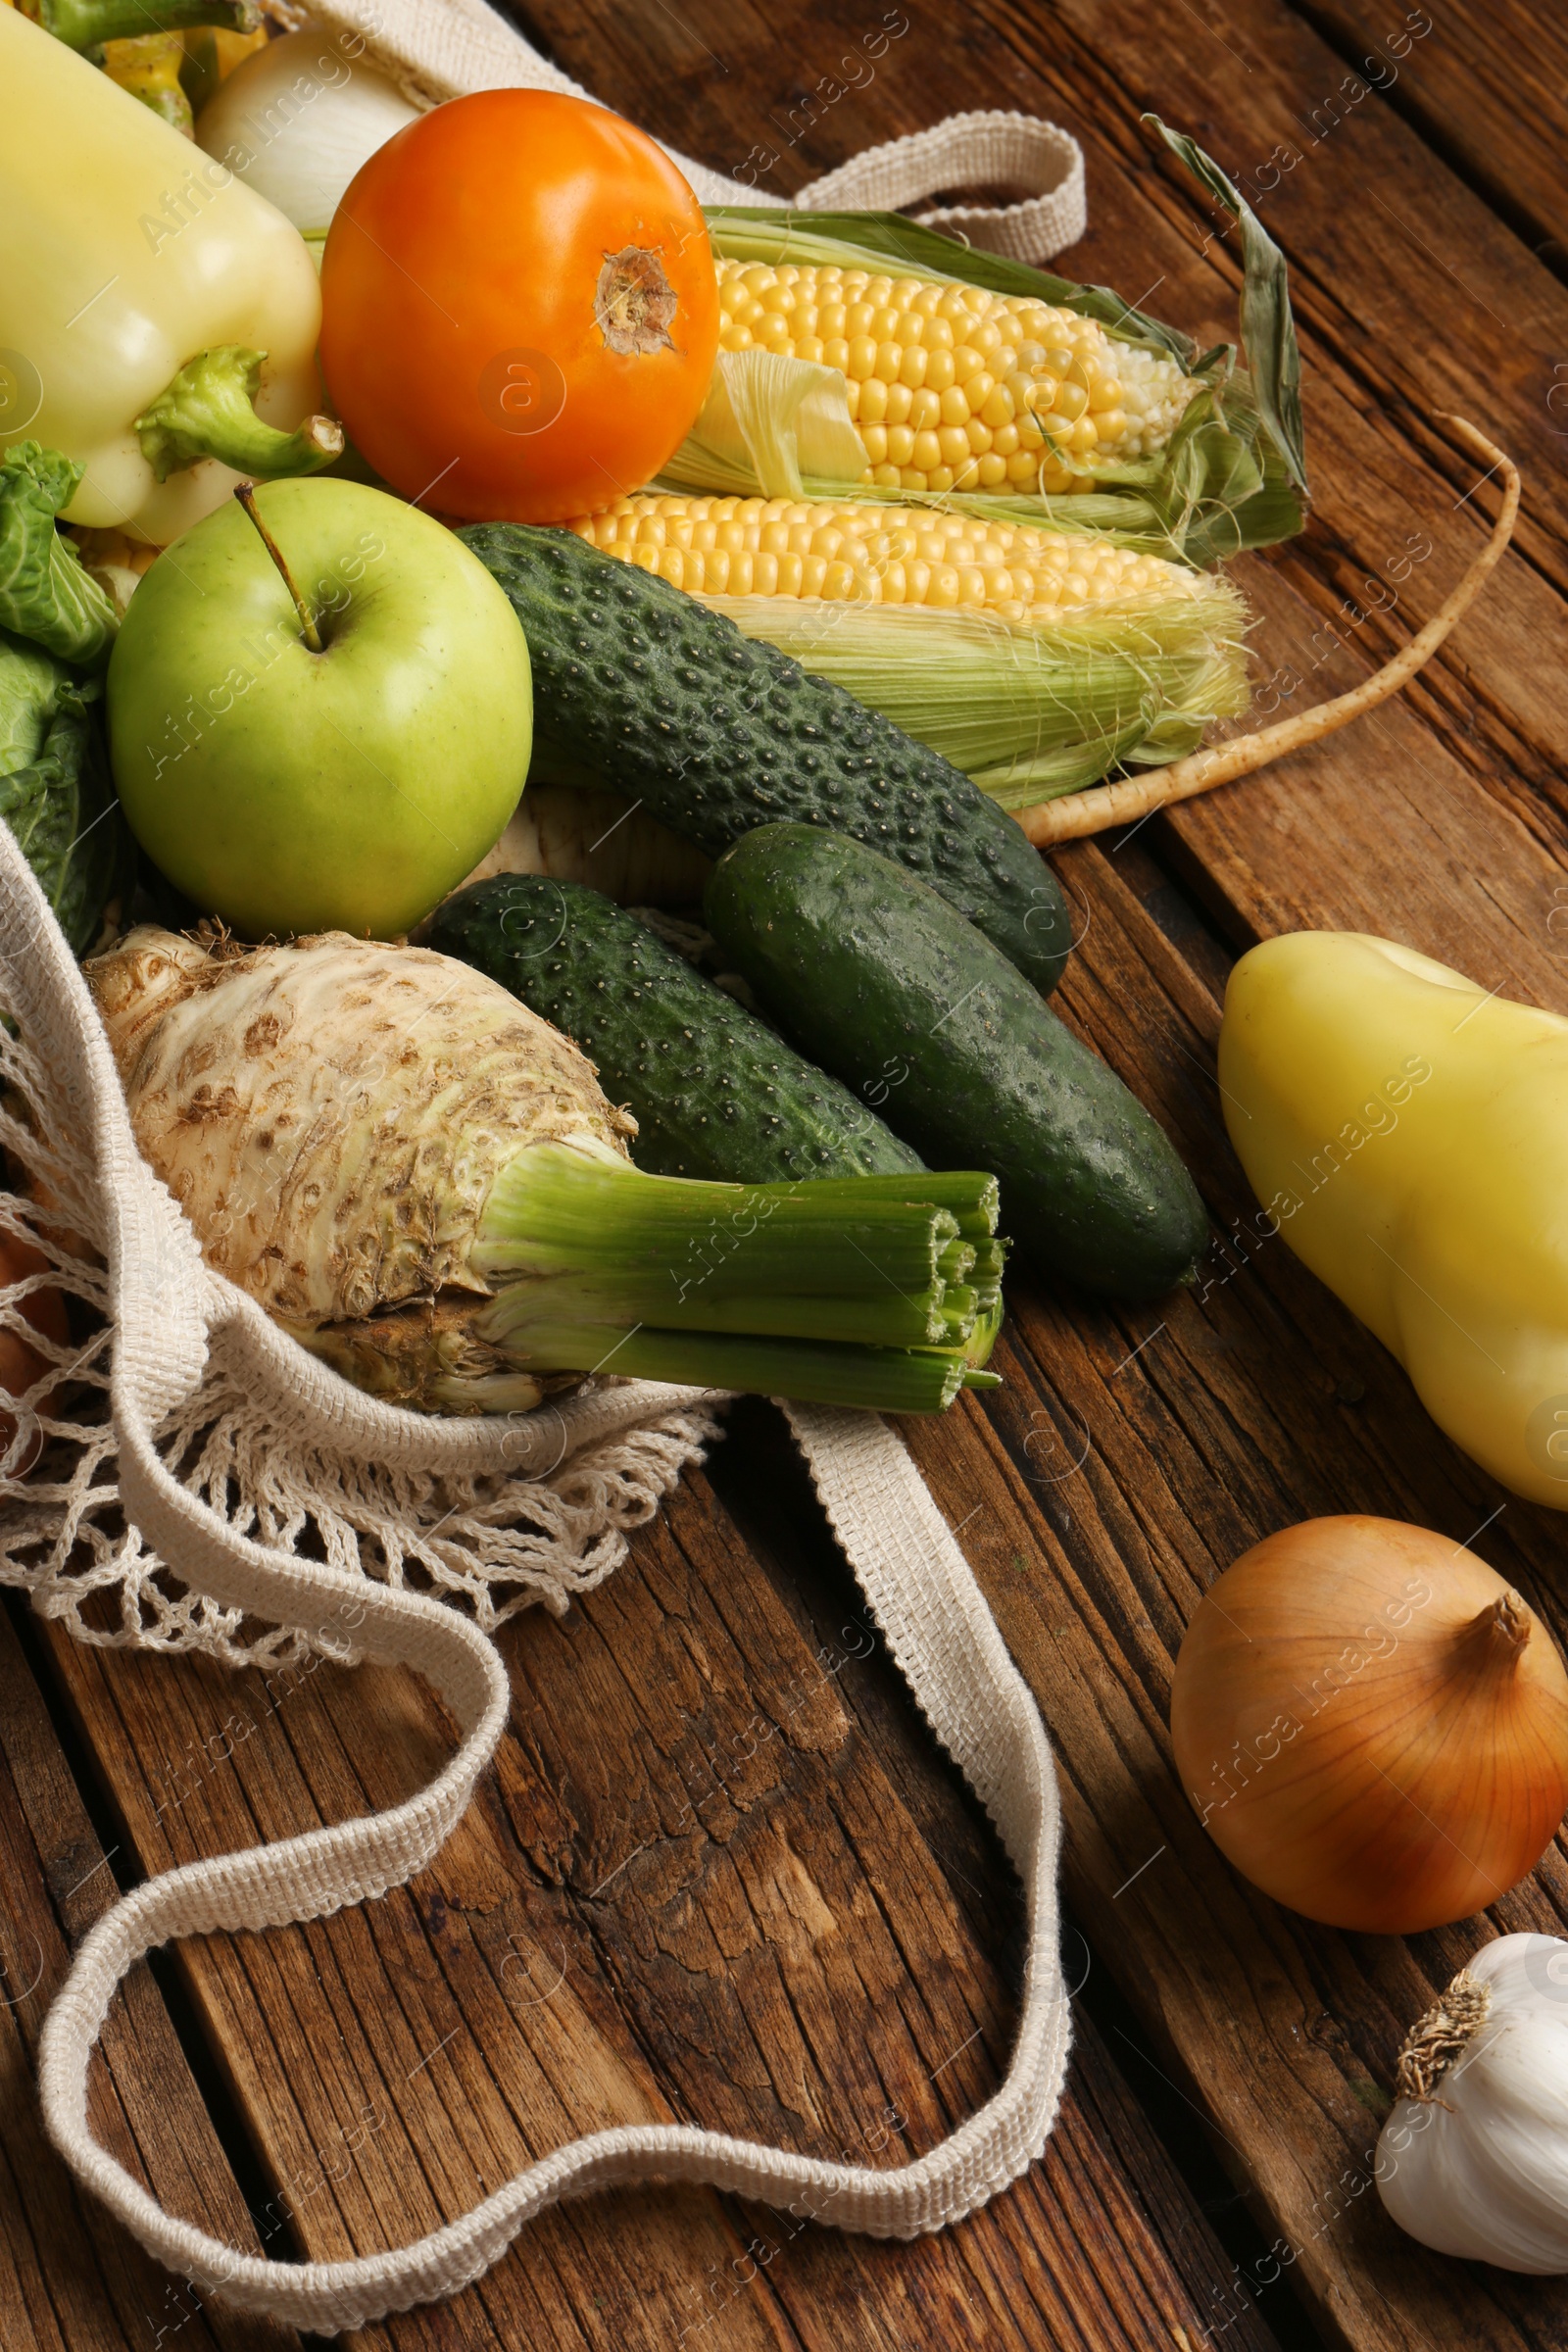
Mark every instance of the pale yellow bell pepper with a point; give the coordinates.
(1408, 1136)
(140, 285)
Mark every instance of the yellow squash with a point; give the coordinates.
(1407, 1135)
(127, 259)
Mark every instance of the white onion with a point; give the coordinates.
(297, 119)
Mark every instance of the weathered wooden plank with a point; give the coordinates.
(70, 2279)
(1429, 823)
(1486, 85)
(1411, 295)
(763, 1483)
(1228, 1425)
(1128, 1460)
(693, 1889)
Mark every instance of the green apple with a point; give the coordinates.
(347, 789)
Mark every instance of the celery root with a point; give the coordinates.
(421, 1181)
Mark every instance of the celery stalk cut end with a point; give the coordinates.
(879, 1291)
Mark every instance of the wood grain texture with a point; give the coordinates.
(1486, 88)
(720, 1873)
(1130, 1458)
(715, 1876)
(70, 2279)
(1257, 1400)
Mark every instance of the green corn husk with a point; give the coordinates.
(1028, 712)
(1232, 476)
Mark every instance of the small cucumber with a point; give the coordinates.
(885, 984)
(714, 1092)
(642, 690)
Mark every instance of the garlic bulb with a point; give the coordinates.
(297, 119)
(1474, 2159)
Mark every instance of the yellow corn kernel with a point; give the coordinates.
(779, 547)
(929, 336)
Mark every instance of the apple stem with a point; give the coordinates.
(313, 635)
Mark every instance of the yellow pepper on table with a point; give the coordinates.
(1408, 1136)
(146, 295)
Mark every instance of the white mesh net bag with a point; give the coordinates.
(178, 1475)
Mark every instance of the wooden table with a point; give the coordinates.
(817, 1942)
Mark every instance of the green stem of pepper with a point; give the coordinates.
(86, 23)
(207, 412)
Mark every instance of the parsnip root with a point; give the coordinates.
(1133, 797)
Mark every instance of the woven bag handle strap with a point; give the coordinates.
(916, 1584)
(938, 1627)
(446, 48)
(967, 151)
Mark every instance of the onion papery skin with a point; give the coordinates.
(1371, 1725)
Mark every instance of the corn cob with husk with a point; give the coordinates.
(863, 355)
(956, 388)
(1032, 660)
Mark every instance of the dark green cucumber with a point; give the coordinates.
(871, 971)
(714, 1092)
(646, 690)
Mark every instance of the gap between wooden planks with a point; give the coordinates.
(1316, 850)
(702, 1882)
(70, 2279)
(1441, 823)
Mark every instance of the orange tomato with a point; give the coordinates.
(20, 1364)
(520, 308)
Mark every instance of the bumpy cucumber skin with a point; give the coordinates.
(876, 975)
(717, 733)
(714, 1092)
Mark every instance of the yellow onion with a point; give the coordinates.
(1372, 1725)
